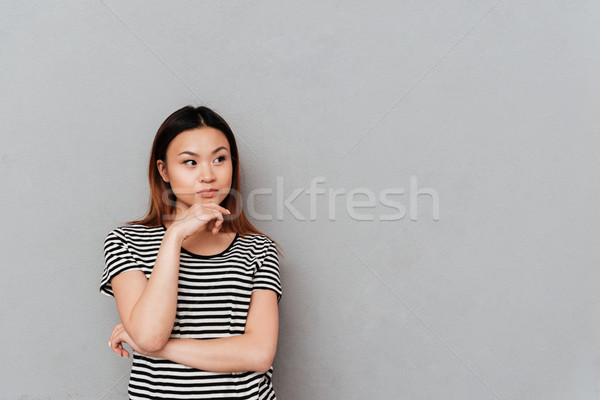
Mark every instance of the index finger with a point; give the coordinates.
(223, 210)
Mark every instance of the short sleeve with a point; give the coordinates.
(117, 259)
(267, 273)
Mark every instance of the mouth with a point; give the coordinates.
(207, 192)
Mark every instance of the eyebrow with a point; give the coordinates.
(191, 153)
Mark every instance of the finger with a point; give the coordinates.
(203, 214)
(114, 334)
(219, 218)
(117, 328)
(211, 214)
(212, 209)
(122, 351)
(224, 210)
(219, 208)
(116, 346)
(116, 350)
(217, 226)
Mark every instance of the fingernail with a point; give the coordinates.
(109, 344)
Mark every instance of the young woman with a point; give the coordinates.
(197, 286)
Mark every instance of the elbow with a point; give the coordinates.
(263, 361)
(151, 344)
(261, 351)
(151, 348)
(147, 339)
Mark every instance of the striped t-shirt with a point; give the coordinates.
(212, 302)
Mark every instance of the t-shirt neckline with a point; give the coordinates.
(204, 255)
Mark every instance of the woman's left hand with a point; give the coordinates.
(117, 337)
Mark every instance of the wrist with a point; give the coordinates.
(172, 233)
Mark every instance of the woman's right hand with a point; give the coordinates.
(196, 216)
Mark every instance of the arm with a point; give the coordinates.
(147, 307)
(254, 350)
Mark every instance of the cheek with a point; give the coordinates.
(227, 171)
(181, 176)
(230, 175)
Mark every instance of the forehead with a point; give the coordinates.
(199, 140)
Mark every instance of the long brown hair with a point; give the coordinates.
(162, 199)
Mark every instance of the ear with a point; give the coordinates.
(162, 170)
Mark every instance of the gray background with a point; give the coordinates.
(492, 104)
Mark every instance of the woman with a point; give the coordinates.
(196, 285)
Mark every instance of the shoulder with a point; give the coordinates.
(135, 233)
(257, 239)
(256, 243)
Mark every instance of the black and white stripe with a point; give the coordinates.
(213, 299)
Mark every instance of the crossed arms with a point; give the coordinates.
(147, 309)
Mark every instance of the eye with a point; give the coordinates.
(222, 157)
(189, 162)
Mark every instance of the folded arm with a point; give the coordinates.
(254, 350)
(147, 307)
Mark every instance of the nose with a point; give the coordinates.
(205, 173)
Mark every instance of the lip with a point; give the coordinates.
(208, 192)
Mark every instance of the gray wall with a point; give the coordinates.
(489, 106)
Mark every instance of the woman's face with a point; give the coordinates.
(198, 159)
